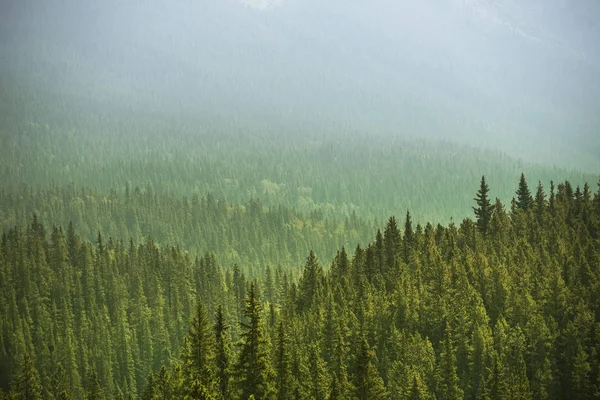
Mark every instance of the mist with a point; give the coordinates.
(522, 78)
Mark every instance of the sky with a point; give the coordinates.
(522, 77)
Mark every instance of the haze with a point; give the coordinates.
(522, 77)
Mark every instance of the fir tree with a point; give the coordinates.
(524, 199)
(199, 354)
(484, 209)
(223, 353)
(282, 364)
(253, 372)
(367, 382)
(26, 385)
(93, 390)
(447, 379)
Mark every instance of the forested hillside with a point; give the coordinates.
(87, 142)
(249, 235)
(502, 306)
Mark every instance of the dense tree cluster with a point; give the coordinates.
(85, 141)
(249, 235)
(509, 309)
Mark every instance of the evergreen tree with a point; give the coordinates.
(310, 285)
(60, 384)
(484, 209)
(448, 384)
(223, 353)
(524, 199)
(408, 237)
(540, 202)
(199, 355)
(418, 390)
(391, 242)
(319, 385)
(253, 372)
(282, 365)
(26, 385)
(367, 382)
(93, 389)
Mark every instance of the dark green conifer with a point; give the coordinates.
(524, 198)
(368, 385)
(484, 209)
(26, 385)
(448, 384)
(253, 372)
(223, 353)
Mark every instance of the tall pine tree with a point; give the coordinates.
(253, 372)
(484, 209)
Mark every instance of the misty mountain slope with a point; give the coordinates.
(500, 74)
(337, 171)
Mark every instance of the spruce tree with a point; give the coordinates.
(447, 378)
(408, 237)
(368, 385)
(223, 353)
(282, 365)
(310, 285)
(484, 209)
(93, 389)
(524, 198)
(319, 385)
(391, 242)
(199, 354)
(26, 385)
(418, 390)
(253, 372)
(540, 202)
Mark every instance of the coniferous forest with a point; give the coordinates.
(299, 200)
(504, 305)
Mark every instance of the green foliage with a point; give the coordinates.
(367, 382)
(431, 312)
(253, 372)
(484, 209)
(524, 199)
(26, 385)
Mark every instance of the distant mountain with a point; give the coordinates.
(522, 77)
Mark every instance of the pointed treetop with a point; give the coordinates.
(524, 198)
(484, 209)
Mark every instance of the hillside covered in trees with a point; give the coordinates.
(75, 140)
(502, 306)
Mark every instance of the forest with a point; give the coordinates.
(299, 199)
(503, 305)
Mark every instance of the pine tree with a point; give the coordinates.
(26, 385)
(60, 384)
(199, 355)
(418, 390)
(524, 199)
(408, 237)
(318, 377)
(447, 377)
(223, 353)
(282, 365)
(540, 202)
(367, 382)
(310, 285)
(253, 372)
(484, 209)
(93, 389)
(391, 242)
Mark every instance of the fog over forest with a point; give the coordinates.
(299, 199)
(520, 77)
